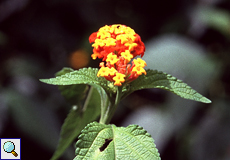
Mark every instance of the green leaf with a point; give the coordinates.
(216, 18)
(102, 142)
(76, 120)
(81, 76)
(157, 79)
(72, 93)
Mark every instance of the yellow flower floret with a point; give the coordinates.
(119, 78)
(127, 55)
(131, 45)
(139, 62)
(103, 71)
(119, 29)
(110, 42)
(98, 42)
(123, 38)
(129, 31)
(125, 34)
(106, 28)
(103, 35)
(112, 71)
(112, 58)
(139, 70)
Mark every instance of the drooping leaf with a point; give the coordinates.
(102, 142)
(72, 93)
(157, 79)
(81, 76)
(215, 18)
(76, 120)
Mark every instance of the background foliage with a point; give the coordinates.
(187, 39)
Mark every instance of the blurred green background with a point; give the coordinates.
(187, 39)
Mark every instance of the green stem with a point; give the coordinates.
(108, 112)
(105, 114)
(104, 107)
(87, 99)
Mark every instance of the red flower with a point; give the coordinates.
(117, 45)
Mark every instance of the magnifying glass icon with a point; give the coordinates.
(9, 147)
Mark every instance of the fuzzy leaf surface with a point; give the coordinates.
(81, 76)
(158, 79)
(102, 142)
(72, 93)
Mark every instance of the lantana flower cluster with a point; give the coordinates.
(117, 46)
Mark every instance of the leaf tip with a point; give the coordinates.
(43, 80)
(205, 100)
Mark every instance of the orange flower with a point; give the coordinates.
(112, 58)
(95, 55)
(116, 38)
(117, 45)
(103, 71)
(127, 55)
(139, 70)
(139, 62)
(119, 78)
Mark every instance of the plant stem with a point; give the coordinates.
(87, 99)
(105, 105)
(111, 108)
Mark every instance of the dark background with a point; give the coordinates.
(188, 39)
